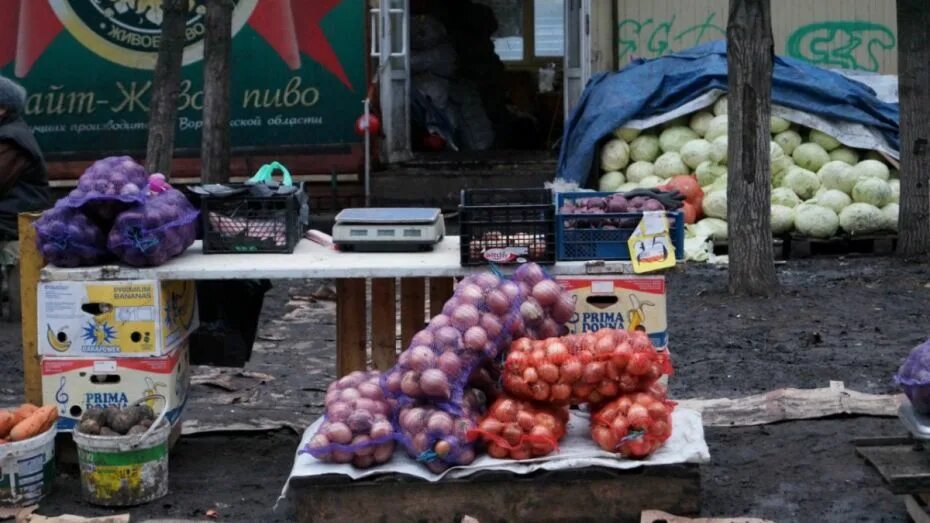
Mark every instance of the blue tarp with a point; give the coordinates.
(652, 87)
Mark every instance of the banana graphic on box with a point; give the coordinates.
(636, 316)
(58, 340)
(152, 388)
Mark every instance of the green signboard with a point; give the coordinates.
(298, 72)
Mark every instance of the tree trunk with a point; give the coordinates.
(750, 53)
(214, 150)
(914, 79)
(163, 109)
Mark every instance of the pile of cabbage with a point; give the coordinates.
(117, 211)
(820, 187)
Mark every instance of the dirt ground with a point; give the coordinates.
(834, 319)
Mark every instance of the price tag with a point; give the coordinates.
(650, 245)
(104, 366)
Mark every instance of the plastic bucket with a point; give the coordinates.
(122, 471)
(27, 469)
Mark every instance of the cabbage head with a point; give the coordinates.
(810, 156)
(716, 128)
(718, 150)
(824, 140)
(708, 172)
(674, 138)
(645, 148)
(628, 186)
(650, 182)
(610, 181)
(615, 155)
(804, 183)
(720, 107)
(845, 155)
(715, 204)
(862, 218)
(695, 152)
(834, 200)
(782, 219)
(872, 169)
(713, 228)
(788, 140)
(837, 175)
(626, 134)
(639, 170)
(872, 191)
(895, 189)
(785, 197)
(815, 221)
(779, 125)
(670, 164)
(700, 121)
(890, 213)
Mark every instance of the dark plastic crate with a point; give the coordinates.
(499, 223)
(583, 244)
(247, 224)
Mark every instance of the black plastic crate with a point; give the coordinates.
(506, 226)
(249, 224)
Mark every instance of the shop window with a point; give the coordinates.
(528, 30)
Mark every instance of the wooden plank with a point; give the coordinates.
(440, 290)
(412, 308)
(30, 265)
(383, 322)
(351, 325)
(906, 468)
(542, 497)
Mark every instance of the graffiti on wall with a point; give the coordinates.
(848, 44)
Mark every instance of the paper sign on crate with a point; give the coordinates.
(619, 302)
(76, 384)
(140, 318)
(651, 247)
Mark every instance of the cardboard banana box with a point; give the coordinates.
(142, 318)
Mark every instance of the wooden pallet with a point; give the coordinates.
(800, 247)
(722, 247)
(596, 493)
(904, 464)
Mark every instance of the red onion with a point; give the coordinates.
(384, 452)
(319, 441)
(349, 395)
(517, 326)
(450, 306)
(492, 325)
(338, 432)
(437, 322)
(450, 364)
(420, 442)
(435, 384)
(363, 449)
(332, 394)
(403, 361)
(410, 384)
(382, 428)
(487, 280)
(524, 289)
(392, 383)
(564, 309)
(465, 316)
(547, 292)
(548, 329)
(424, 337)
(465, 456)
(421, 358)
(363, 462)
(370, 390)
(359, 421)
(470, 293)
(448, 337)
(439, 423)
(531, 274)
(475, 338)
(511, 290)
(338, 411)
(367, 405)
(342, 456)
(531, 311)
(498, 302)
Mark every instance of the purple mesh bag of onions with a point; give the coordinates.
(68, 238)
(544, 308)
(109, 186)
(914, 377)
(156, 231)
(356, 428)
(473, 327)
(439, 439)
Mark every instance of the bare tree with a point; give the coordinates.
(750, 54)
(166, 84)
(914, 79)
(214, 151)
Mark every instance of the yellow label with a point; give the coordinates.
(110, 480)
(650, 245)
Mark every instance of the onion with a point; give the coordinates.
(338, 433)
(434, 383)
(370, 390)
(437, 466)
(604, 346)
(392, 383)
(475, 338)
(380, 429)
(512, 434)
(498, 302)
(450, 306)
(531, 311)
(571, 370)
(362, 446)
(505, 410)
(531, 273)
(557, 353)
(548, 372)
(487, 280)
(448, 337)
(526, 420)
(410, 384)
(439, 321)
(564, 309)
(492, 325)
(470, 293)
(332, 394)
(639, 363)
(420, 443)
(439, 423)
(359, 421)
(608, 389)
(638, 416)
(560, 392)
(403, 361)
(450, 364)
(465, 316)
(363, 462)
(465, 456)
(498, 452)
(530, 375)
(349, 394)
(342, 456)
(338, 411)
(516, 362)
(548, 329)
(511, 290)
(421, 358)
(540, 391)
(547, 292)
(367, 405)
(384, 452)
(424, 337)
(593, 372)
(517, 326)
(538, 357)
(491, 424)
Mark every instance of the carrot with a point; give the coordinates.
(24, 411)
(50, 420)
(6, 422)
(34, 424)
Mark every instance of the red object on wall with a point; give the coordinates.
(373, 123)
(434, 142)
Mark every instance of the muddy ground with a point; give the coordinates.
(834, 319)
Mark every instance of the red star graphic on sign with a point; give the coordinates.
(310, 35)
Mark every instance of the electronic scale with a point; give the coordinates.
(388, 229)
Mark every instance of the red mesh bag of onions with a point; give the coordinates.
(634, 425)
(586, 368)
(437, 438)
(357, 426)
(473, 328)
(518, 429)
